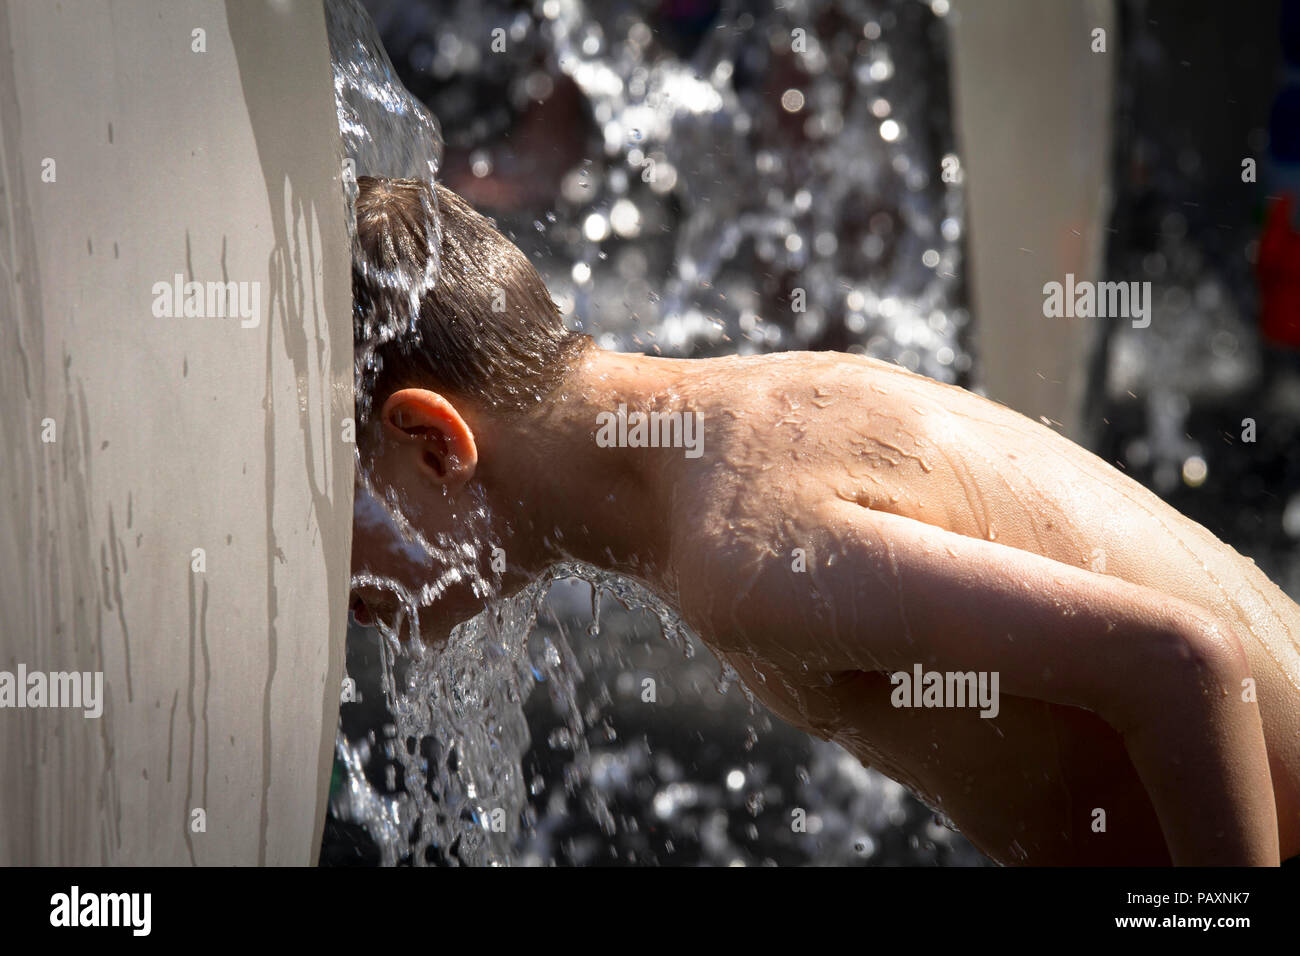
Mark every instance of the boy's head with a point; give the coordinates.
(486, 331)
(485, 341)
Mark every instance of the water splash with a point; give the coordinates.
(796, 141)
(460, 736)
(385, 132)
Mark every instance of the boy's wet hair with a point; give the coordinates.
(486, 327)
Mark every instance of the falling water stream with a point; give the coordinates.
(706, 177)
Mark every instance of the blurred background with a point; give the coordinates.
(699, 177)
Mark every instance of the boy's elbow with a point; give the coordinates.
(1190, 659)
(1214, 647)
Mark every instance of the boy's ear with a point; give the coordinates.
(429, 427)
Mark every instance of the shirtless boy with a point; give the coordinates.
(843, 522)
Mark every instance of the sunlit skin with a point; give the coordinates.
(938, 528)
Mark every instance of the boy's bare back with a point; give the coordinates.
(850, 517)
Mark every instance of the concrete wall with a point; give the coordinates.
(1033, 109)
(171, 433)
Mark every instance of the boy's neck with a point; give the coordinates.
(564, 497)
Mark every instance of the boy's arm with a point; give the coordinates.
(1161, 671)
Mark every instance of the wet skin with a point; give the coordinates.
(935, 528)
